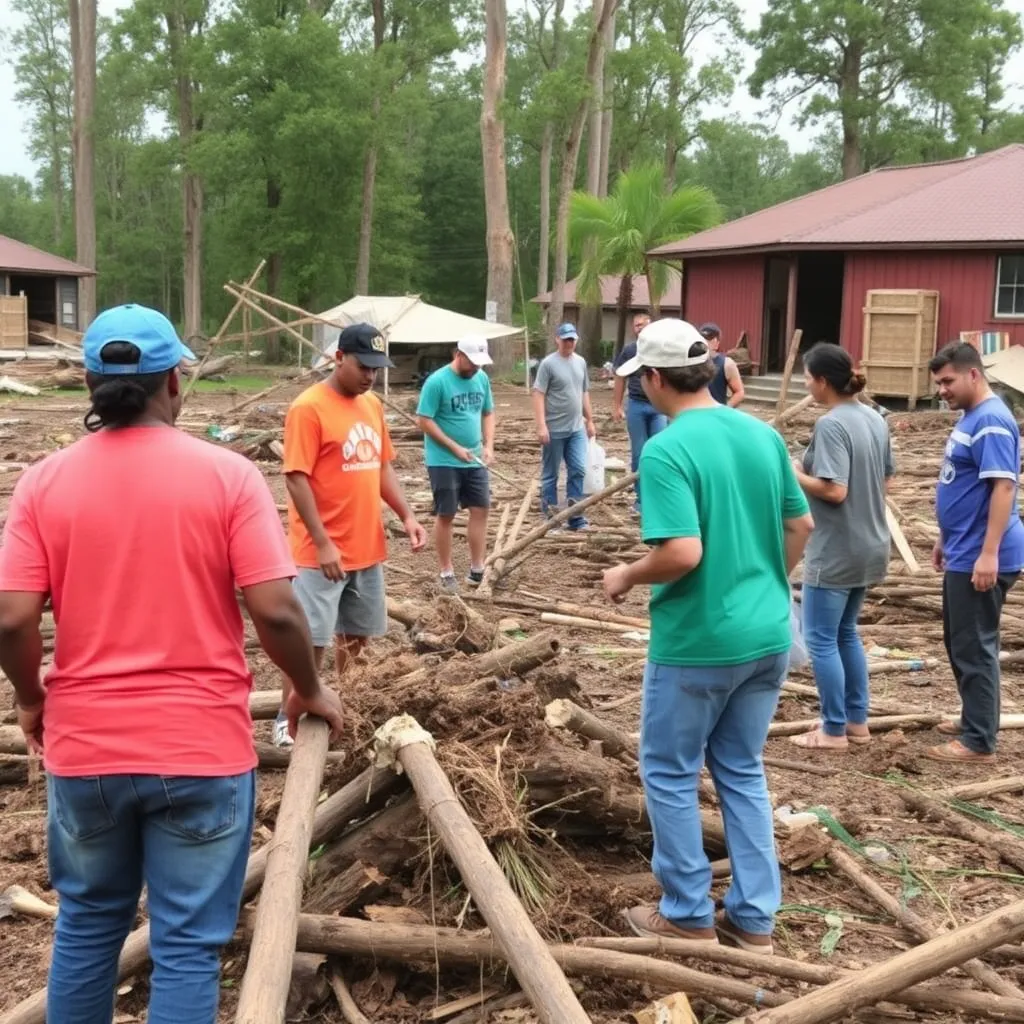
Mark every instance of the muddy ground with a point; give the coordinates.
(945, 879)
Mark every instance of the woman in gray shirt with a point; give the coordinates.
(844, 474)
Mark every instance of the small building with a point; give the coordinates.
(955, 228)
(610, 284)
(36, 286)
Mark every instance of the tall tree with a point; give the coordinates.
(852, 59)
(82, 16)
(492, 138)
(570, 163)
(621, 229)
(370, 165)
(42, 68)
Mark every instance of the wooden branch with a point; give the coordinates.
(873, 984)
(584, 611)
(264, 991)
(915, 924)
(979, 790)
(493, 570)
(564, 516)
(309, 375)
(349, 1008)
(499, 540)
(904, 548)
(1010, 850)
(218, 337)
(528, 956)
(483, 1012)
(919, 997)
(16, 900)
(360, 796)
(787, 373)
(554, 619)
(564, 714)
(883, 723)
(794, 410)
(283, 325)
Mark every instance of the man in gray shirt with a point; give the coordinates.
(561, 409)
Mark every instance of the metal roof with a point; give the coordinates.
(610, 292)
(19, 258)
(966, 203)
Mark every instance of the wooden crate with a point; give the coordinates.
(900, 328)
(13, 321)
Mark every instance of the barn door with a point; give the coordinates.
(13, 321)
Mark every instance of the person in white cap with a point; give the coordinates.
(727, 522)
(456, 415)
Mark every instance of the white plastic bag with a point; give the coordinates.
(798, 657)
(593, 480)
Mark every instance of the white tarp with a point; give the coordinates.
(405, 320)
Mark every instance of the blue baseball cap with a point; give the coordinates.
(149, 331)
(567, 332)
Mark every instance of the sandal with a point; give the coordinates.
(859, 739)
(814, 740)
(956, 751)
(951, 728)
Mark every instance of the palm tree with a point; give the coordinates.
(614, 235)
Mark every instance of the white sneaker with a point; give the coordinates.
(281, 736)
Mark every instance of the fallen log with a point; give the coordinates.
(918, 997)
(979, 790)
(348, 936)
(364, 793)
(529, 958)
(915, 924)
(554, 619)
(564, 714)
(568, 608)
(883, 723)
(1009, 849)
(867, 987)
(564, 516)
(264, 991)
(211, 368)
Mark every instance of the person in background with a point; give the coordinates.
(727, 385)
(980, 549)
(727, 523)
(564, 418)
(643, 421)
(844, 472)
(456, 415)
(139, 534)
(338, 468)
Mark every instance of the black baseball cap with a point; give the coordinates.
(710, 330)
(366, 343)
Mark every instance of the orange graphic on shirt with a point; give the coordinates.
(340, 444)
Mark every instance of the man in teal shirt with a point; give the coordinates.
(727, 522)
(456, 414)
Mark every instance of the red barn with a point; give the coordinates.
(955, 227)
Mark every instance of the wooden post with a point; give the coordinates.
(787, 373)
(215, 340)
(264, 990)
(246, 332)
(869, 986)
(529, 957)
(792, 282)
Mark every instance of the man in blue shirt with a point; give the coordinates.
(980, 547)
(456, 414)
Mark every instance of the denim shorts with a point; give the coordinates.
(354, 606)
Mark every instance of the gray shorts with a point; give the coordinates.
(354, 606)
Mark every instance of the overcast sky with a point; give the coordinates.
(14, 157)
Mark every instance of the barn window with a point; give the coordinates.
(1010, 286)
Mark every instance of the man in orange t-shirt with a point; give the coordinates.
(338, 467)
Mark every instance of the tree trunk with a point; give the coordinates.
(544, 246)
(191, 183)
(362, 281)
(607, 115)
(275, 262)
(570, 162)
(82, 14)
(655, 298)
(57, 170)
(849, 99)
(492, 138)
(625, 301)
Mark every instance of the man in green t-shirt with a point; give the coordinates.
(727, 522)
(456, 414)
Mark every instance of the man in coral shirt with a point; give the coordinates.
(139, 535)
(338, 467)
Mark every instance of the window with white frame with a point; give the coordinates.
(1010, 286)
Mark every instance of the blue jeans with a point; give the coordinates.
(837, 655)
(188, 840)
(643, 421)
(721, 714)
(573, 450)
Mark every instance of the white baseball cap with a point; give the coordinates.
(474, 348)
(665, 345)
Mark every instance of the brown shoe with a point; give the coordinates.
(649, 924)
(957, 752)
(750, 942)
(949, 728)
